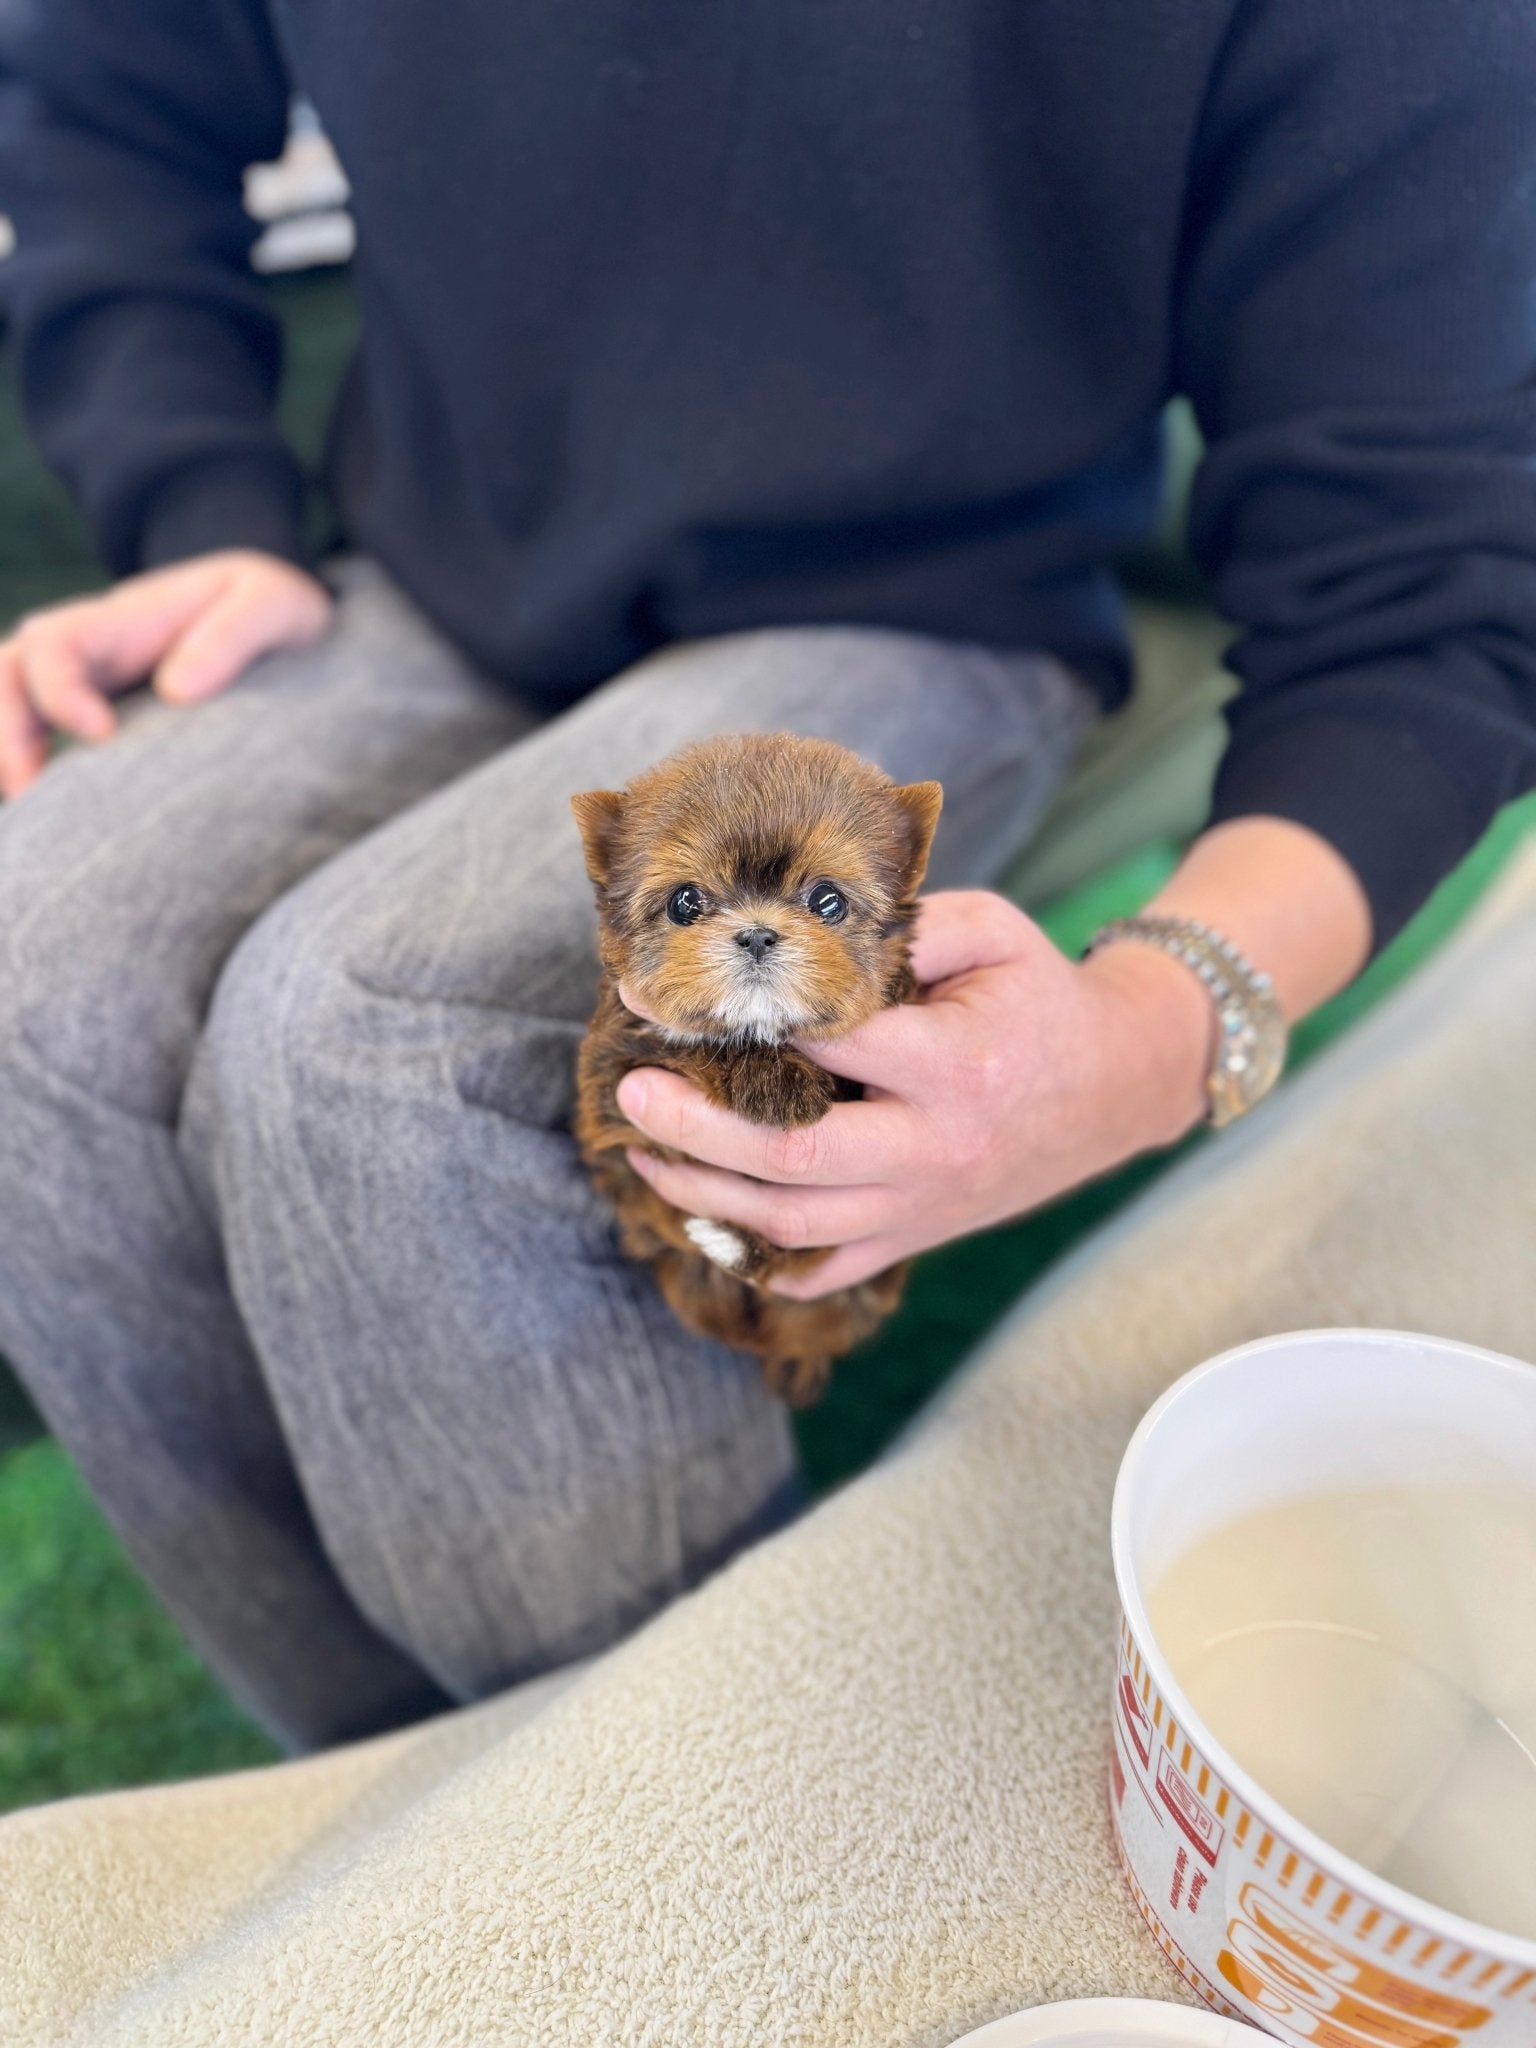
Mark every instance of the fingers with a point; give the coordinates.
(218, 645)
(790, 1217)
(257, 610)
(58, 665)
(57, 679)
(119, 636)
(846, 1267)
(852, 1220)
(854, 1143)
(198, 624)
(23, 736)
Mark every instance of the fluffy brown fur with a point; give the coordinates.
(758, 827)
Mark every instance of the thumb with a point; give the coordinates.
(961, 929)
(222, 642)
(958, 930)
(887, 1051)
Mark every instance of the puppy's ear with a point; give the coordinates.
(920, 804)
(599, 813)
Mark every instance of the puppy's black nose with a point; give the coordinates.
(757, 940)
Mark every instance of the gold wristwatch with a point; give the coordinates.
(1250, 1025)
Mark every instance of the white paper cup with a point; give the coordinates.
(1112, 2023)
(1266, 1920)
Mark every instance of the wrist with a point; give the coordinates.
(1284, 898)
(1158, 1029)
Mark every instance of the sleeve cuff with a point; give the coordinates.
(1375, 793)
(238, 502)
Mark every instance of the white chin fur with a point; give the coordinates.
(755, 1015)
(716, 1241)
(752, 1011)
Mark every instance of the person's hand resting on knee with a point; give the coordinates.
(189, 630)
(1021, 1074)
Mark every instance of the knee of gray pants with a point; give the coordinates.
(511, 1451)
(320, 1056)
(79, 995)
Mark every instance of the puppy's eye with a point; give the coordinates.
(827, 903)
(686, 905)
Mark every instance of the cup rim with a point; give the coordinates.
(1437, 1920)
(1140, 2022)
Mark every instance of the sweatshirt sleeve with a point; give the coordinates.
(146, 357)
(1356, 329)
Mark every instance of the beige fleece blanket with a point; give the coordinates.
(851, 1793)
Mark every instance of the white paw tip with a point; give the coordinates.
(716, 1241)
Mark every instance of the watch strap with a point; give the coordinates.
(1251, 1038)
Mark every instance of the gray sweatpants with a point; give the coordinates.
(296, 1256)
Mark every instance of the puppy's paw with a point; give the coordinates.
(778, 1087)
(807, 1093)
(728, 1248)
(798, 1382)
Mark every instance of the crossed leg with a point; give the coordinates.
(359, 1374)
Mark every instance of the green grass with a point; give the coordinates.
(99, 1687)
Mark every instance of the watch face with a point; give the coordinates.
(1251, 1053)
(1268, 1050)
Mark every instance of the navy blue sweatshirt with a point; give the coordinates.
(680, 317)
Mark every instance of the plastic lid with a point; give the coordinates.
(1115, 2023)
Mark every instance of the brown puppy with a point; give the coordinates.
(750, 890)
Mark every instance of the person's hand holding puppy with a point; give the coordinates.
(1019, 1075)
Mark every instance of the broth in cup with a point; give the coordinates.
(1370, 1657)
